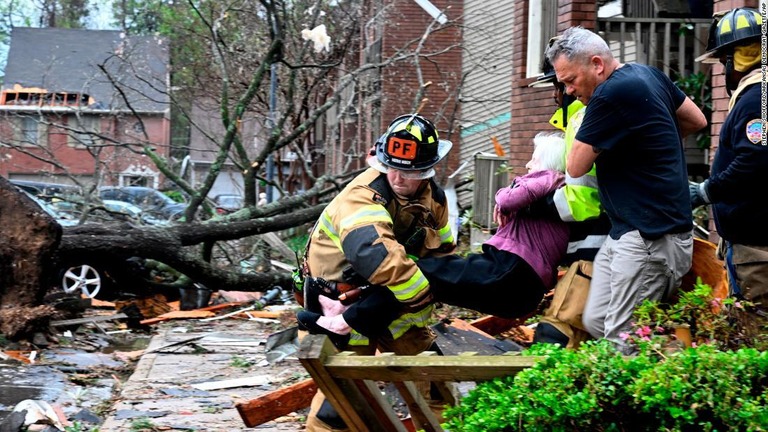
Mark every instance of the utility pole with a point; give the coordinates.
(272, 125)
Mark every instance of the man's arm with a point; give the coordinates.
(690, 117)
(580, 158)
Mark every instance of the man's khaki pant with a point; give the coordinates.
(414, 341)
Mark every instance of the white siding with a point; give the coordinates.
(487, 65)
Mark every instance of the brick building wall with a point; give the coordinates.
(406, 22)
(533, 107)
(79, 161)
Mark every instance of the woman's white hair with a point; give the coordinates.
(549, 149)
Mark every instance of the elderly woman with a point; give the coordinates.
(518, 264)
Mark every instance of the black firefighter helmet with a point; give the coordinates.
(410, 144)
(735, 27)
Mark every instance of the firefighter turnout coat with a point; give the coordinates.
(369, 228)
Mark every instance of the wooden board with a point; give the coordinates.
(277, 403)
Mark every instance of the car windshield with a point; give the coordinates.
(229, 200)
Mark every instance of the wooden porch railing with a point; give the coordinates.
(670, 44)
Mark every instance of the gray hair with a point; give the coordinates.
(549, 149)
(579, 44)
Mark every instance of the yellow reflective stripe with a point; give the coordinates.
(404, 322)
(367, 214)
(410, 288)
(325, 225)
(577, 203)
(399, 326)
(725, 26)
(356, 339)
(446, 234)
(412, 128)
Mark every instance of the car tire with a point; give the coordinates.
(83, 278)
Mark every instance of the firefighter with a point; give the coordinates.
(741, 161)
(365, 242)
(577, 203)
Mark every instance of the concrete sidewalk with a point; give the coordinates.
(160, 392)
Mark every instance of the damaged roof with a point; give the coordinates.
(92, 63)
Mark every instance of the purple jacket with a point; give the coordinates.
(540, 242)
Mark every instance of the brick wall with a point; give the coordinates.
(406, 22)
(79, 161)
(533, 107)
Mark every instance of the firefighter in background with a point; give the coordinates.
(740, 164)
(577, 203)
(363, 243)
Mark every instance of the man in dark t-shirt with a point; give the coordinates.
(632, 131)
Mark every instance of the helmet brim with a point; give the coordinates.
(544, 80)
(709, 57)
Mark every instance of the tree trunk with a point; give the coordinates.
(29, 238)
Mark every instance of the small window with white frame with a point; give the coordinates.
(84, 131)
(30, 131)
(542, 25)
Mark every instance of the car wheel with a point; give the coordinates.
(83, 278)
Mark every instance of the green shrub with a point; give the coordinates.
(704, 389)
(662, 388)
(595, 388)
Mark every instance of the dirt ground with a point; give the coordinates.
(179, 374)
(102, 375)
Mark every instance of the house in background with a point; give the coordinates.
(79, 106)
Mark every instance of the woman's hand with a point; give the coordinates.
(500, 218)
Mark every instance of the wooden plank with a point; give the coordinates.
(232, 383)
(86, 320)
(381, 407)
(313, 352)
(197, 314)
(494, 325)
(277, 403)
(422, 414)
(433, 368)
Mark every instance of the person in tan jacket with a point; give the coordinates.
(366, 241)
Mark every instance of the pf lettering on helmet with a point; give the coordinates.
(402, 148)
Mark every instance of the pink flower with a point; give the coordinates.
(625, 336)
(660, 330)
(643, 331)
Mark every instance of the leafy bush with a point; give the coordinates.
(662, 388)
(595, 388)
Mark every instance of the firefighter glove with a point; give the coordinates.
(699, 195)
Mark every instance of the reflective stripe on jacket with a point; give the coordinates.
(578, 200)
